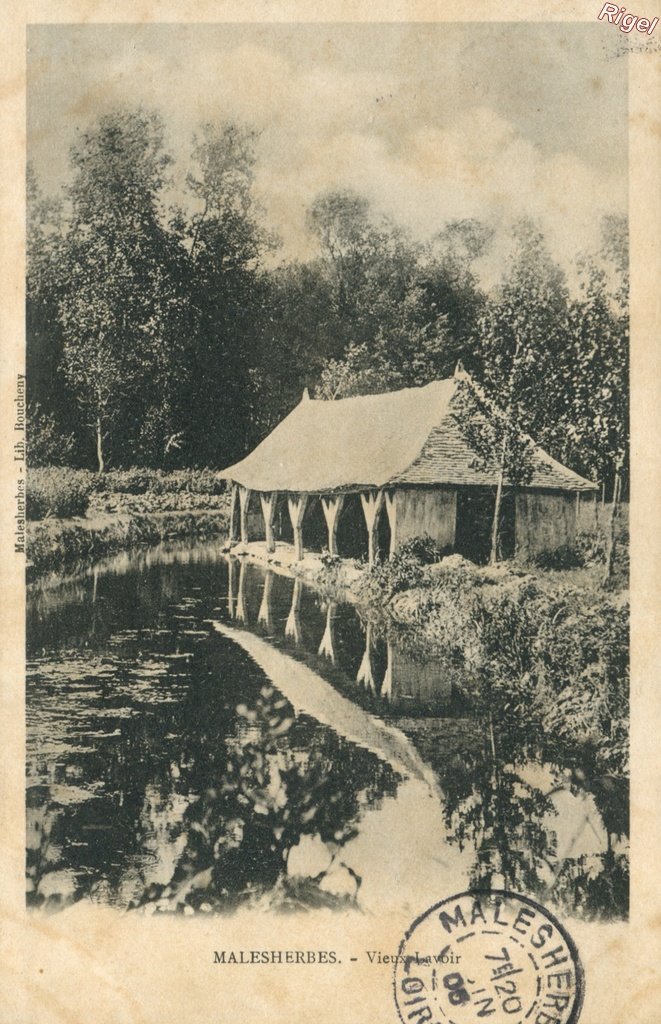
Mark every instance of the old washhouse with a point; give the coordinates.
(359, 476)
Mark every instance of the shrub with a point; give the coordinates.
(142, 481)
(567, 557)
(422, 549)
(403, 570)
(58, 491)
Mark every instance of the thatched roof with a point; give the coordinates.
(401, 437)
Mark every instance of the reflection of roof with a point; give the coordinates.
(401, 437)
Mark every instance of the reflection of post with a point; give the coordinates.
(244, 501)
(332, 506)
(366, 670)
(327, 645)
(231, 600)
(391, 510)
(241, 607)
(234, 513)
(297, 504)
(386, 685)
(269, 502)
(293, 626)
(372, 502)
(265, 616)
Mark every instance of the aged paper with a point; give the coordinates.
(93, 960)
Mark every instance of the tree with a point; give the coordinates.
(45, 229)
(92, 363)
(344, 225)
(600, 351)
(296, 333)
(120, 301)
(405, 352)
(451, 286)
(370, 262)
(522, 333)
(406, 312)
(394, 334)
(226, 248)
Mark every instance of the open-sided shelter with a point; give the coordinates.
(359, 476)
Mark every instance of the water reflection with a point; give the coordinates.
(167, 769)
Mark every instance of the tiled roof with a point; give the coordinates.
(447, 458)
(401, 437)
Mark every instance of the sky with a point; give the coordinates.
(431, 122)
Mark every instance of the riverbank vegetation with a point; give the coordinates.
(75, 515)
(548, 644)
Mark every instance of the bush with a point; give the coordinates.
(403, 570)
(155, 481)
(422, 549)
(567, 557)
(58, 492)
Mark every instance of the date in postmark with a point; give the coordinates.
(518, 964)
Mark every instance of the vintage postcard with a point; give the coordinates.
(330, 398)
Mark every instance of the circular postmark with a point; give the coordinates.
(488, 956)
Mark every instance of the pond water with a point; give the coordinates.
(206, 733)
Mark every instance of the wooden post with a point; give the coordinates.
(391, 509)
(234, 514)
(244, 501)
(265, 617)
(293, 624)
(297, 505)
(332, 506)
(372, 502)
(269, 502)
(578, 509)
(327, 645)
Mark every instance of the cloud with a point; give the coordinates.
(480, 167)
(402, 133)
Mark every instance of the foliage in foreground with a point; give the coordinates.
(538, 646)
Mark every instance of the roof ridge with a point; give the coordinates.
(379, 394)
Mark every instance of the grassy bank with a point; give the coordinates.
(549, 646)
(75, 516)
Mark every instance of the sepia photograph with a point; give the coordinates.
(323, 498)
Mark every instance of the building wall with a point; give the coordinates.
(426, 510)
(544, 522)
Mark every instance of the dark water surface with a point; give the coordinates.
(166, 768)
